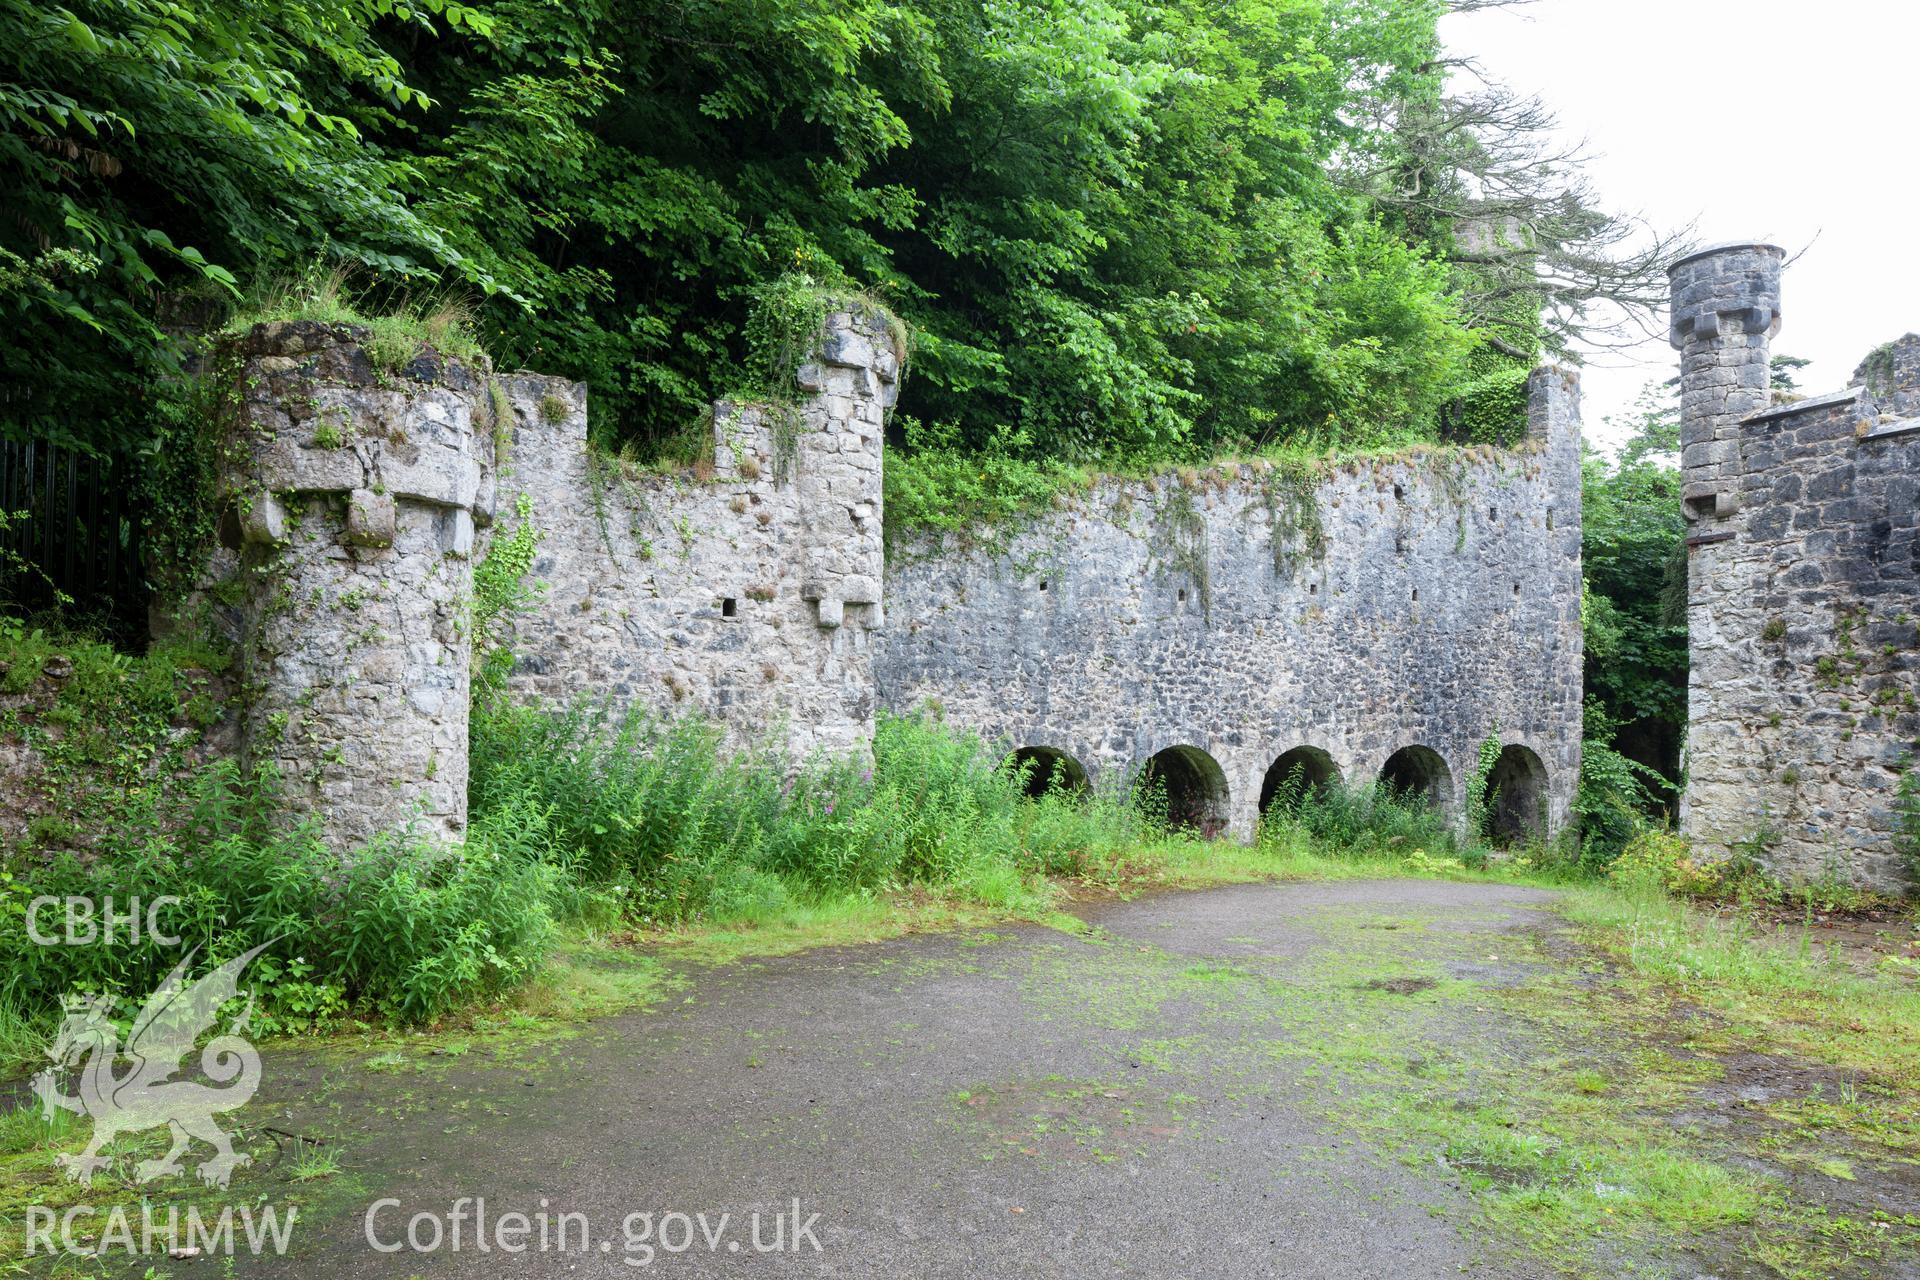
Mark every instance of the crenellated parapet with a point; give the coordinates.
(746, 589)
(1376, 618)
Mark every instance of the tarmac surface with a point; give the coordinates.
(1018, 1102)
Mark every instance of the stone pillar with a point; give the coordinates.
(1725, 311)
(351, 498)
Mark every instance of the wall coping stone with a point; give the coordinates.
(1826, 401)
(1905, 426)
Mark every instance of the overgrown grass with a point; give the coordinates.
(1369, 823)
(663, 815)
(627, 823)
(398, 324)
(401, 929)
(1804, 996)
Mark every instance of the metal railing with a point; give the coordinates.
(69, 531)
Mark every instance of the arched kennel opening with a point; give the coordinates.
(1419, 773)
(1045, 769)
(1300, 772)
(1516, 797)
(1190, 785)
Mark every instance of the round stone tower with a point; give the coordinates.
(353, 492)
(1725, 311)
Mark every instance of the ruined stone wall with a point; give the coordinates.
(351, 494)
(1803, 591)
(1412, 605)
(1420, 602)
(747, 591)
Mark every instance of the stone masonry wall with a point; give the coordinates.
(748, 594)
(1422, 602)
(1803, 596)
(1443, 602)
(352, 495)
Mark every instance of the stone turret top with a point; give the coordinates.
(323, 418)
(1730, 283)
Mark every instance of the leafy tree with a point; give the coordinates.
(1122, 229)
(1633, 545)
(1478, 170)
(1109, 221)
(635, 169)
(149, 146)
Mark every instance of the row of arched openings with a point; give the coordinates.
(1193, 786)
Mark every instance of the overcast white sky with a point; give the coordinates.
(1762, 119)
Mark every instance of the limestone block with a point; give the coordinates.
(459, 534)
(848, 349)
(263, 520)
(290, 467)
(370, 518)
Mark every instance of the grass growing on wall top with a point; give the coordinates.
(398, 328)
(939, 495)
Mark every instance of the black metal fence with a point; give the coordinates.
(69, 532)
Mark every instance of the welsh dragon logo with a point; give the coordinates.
(143, 1095)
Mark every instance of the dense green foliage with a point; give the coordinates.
(123, 804)
(1633, 614)
(402, 928)
(1635, 565)
(1119, 228)
(685, 829)
(150, 147)
(1369, 821)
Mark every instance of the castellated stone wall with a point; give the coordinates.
(1385, 617)
(748, 593)
(1803, 592)
(1382, 620)
(346, 578)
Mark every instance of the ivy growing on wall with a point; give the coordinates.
(500, 592)
(1179, 542)
(1290, 490)
(1482, 803)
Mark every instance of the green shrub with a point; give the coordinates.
(1659, 860)
(1614, 796)
(404, 928)
(1365, 821)
(686, 829)
(937, 488)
